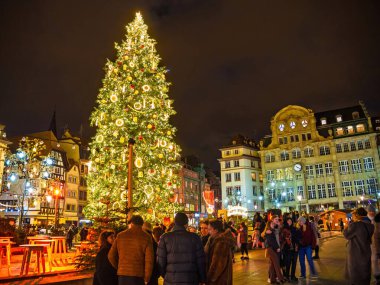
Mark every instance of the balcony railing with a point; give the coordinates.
(49, 211)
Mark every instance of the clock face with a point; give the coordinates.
(297, 167)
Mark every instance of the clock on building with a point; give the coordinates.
(297, 167)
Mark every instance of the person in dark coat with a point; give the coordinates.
(273, 252)
(358, 263)
(307, 242)
(243, 236)
(180, 255)
(290, 244)
(105, 273)
(219, 254)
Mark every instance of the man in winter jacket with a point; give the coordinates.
(132, 254)
(180, 255)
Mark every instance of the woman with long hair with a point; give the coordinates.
(105, 273)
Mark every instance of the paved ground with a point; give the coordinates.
(330, 266)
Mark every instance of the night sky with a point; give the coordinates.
(233, 64)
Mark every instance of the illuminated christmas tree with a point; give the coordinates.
(133, 104)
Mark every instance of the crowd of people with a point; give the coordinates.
(181, 254)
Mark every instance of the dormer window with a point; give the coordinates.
(323, 121)
(355, 115)
(292, 124)
(338, 118)
(350, 129)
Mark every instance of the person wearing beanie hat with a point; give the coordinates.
(358, 262)
(180, 255)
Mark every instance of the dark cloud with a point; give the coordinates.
(233, 64)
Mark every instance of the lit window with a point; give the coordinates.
(360, 128)
(339, 131)
(350, 129)
(338, 118)
(292, 124)
(323, 121)
(304, 123)
(281, 127)
(355, 115)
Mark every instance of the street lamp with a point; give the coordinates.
(362, 198)
(48, 200)
(299, 197)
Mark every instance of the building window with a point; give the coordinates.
(284, 155)
(236, 163)
(252, 164)
(236, 151)
(271, 194)
(324, 150)
(372, 186)
(283, 140)
(319, 169)
(368, 163)
(227, 164)
(311, 192)
(360, 145)
(309, 171)
(339, 131)
(304, 123)
(321, 191)
(237, 176)
(228, 177)
(328, 168)
(367, 143)
(360, 128)
(228, 152)
(290, 194)
(281, 127)
(346, 147)
(353, 146)
(343, 167)
(331, 189)
(269, 157)
(359, 187)
(308, 152)
(270, 175)
(338, 118)
(237, 190)
(260, 177)
(296, 153)
(347, 188)
(294, 138)
(292, 124)
(300, 192)
(254, 193)
(355, 115)
(80, 209)
(253, 175)
(323, 121)
(338, 148)
(229, 190)
(350, 130)
(356, 165)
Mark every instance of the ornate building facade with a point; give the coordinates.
(316, 161)
(241, 177)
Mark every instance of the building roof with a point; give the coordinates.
(240, 140)
(346, 113)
